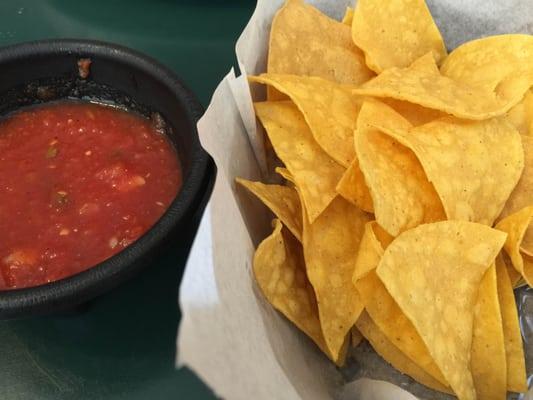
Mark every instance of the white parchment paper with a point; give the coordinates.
(229, 335)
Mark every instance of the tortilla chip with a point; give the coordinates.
(357, 338)
(353, 188)
(474, 166)
(421, 83)
(521, 115)
(284, 172)
(279, 270)
(303, 41)
(369, 254)
(488, 346)
(395, 33)
(522, 195)
(415, 114)
(283, 201)
(394, 324)
(386, 349)
(515, 226)
(348, 17)
(382, 235)
(314, 172)
(516, 368)
(329, 109)
(330, 250)
(433, 272)
(382, 308)
(488, 61)
(374, 240)
(401, 193)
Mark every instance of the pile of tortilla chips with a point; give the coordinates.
(405, 216)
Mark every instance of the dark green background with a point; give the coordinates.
(123, 345)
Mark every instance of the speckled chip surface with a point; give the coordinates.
(315, 173)
(395, 33)
(417, 268)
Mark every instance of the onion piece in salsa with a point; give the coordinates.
(79, 182)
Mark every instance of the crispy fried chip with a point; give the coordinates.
(330, 249)
(303, 41)
(421, 83)
(395, 33)
(474, 166)
(488, 346)
(433, 272)
(284, 172)
(369, 254)
(386, 349)
(414, 113)
(348, 17)
(521, 115)
(314, 172)
(522, 195)
(329, 109)
(283, 201)
(382, 308)
(401, 193)
(488, 61)
(386, 313)
(515, 225)
(353, 188)
(279, 269)
(516, 368)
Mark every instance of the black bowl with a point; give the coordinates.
(37, 72)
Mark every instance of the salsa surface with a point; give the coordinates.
(78, 183)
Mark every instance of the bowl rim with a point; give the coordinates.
(75, 289)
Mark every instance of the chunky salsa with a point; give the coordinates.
(78, 183)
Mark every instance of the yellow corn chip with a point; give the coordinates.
(515, 226)
(283, 201)
(369, 254)
(522, 195)
(279, 270)
(433, 272)
(474, 166)
(421, 83)
(516, 368)
(414, 113)
(284, 172)
(348, 17)
(488, 61)
(353, 188)
(314, 172)
(391, 320)
(488, 361)
(386, 349)
(401, 193)
(395, 33)
(521, 115)
(381, 306)
(329, 109)
(330, 249)
(303, 41)
(382, 235)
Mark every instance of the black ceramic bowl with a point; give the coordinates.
(37, 72)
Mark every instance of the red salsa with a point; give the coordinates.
(78, 183)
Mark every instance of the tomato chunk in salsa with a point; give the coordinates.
(78, 183)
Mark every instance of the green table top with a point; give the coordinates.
(123, 345)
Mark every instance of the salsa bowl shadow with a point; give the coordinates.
(43, 71)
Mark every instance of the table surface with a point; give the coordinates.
(123, 345)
